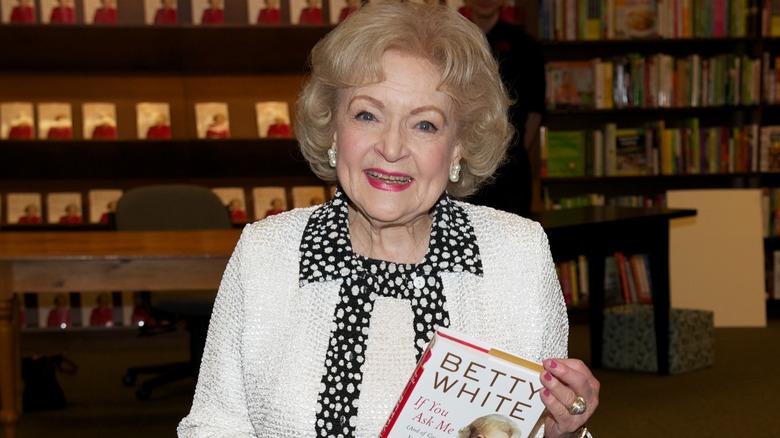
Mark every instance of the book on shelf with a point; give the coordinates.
(269, 201)
(564, 153)
(102, 204)
(212, 120)
(264, 12)
(632, 154)
(17, 121)
(234, 200)
(18, 13)
(208, 12)
(58, 11)
(153, 120)
(55, 121)
(775, 292)
(101, 12)
(59, 311)
(24, 208)
(770, 148)
(341, 9)
(461, 383)
(161, 12)
(99, 121)
(101, 309)
(306, 12)
(273, 119)
(641, 18)
(64, 208)
(307, 196)
(570, 84)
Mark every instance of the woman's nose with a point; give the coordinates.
(391, 144)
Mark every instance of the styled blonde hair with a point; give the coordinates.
(351, 56)
(489, 423)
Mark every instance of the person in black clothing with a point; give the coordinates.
(521, 64)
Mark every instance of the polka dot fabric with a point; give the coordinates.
(326, 255)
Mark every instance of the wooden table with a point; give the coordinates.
(597, 232)
(53, 262)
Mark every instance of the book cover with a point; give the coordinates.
(264, 12)
(565, 153)
(212, 120)
(101, 12)
(101, 309)
(24, 208)
(307, 196)
(269, 201)
(273, 119)
(64, 208)
(102, 204)
(461, 385)
(55, 121)
(770, 148)
(641, 18)
(208, 12)
(306, 12)
(19, 12)
(153, 120)
(58, 11)
(631, 152)
(161, 12)
(570, 84)
(59, 311)
(235, 202)
(17, 121)
(341, 9)
(99, 121)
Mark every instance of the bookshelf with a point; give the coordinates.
(180, 65)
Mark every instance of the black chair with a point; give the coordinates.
(173, 207)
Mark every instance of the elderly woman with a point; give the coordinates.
(324, 311)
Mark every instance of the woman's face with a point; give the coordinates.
(396, 141)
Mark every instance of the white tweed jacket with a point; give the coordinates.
(264, 358)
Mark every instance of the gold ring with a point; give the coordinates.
(578, 407)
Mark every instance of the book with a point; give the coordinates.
(102, 204)
(99, 121)
(24, 208)
(307, 196)
(570, 84)
(273, 119)
(153, 120)
(208, 12)
(235, 202)
(565, 154)
(459, 383)
(55, 121)
(269, 201)
(101, 309)
(631, 153)
(59, 311)
(15, 12)
(641, 18)
(341, 9)
(64, 208)
(212, 120)
(770, 148)
(17, 121)
(161, 12)
(264, 12)
(102, 12)
(58, 11)
(306, 12)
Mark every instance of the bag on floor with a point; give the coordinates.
(42, 390)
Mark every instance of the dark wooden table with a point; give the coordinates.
(597, 232)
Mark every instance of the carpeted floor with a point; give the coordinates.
(735, 398)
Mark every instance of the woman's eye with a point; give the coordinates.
(365, 116)
(427, 126)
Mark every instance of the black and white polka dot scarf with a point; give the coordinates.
(326, 255)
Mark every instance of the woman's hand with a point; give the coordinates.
(564, 381)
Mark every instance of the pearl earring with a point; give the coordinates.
(455, 173)
(332, 157)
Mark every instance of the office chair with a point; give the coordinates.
(173, 207)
